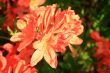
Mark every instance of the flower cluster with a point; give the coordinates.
(16, 8)
(13, 62)
(102, 53)
(49, 31)
(41, 32)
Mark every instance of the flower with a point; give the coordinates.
(13, 62)
(102, 52)
(50, 31)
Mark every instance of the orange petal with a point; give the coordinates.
(21, 24)
(36, 57)
(16, 37)
(39, 53)
(41, 47)
(72, 51)
(35, 3)
(28, 35)
(8, 47)
(37, 45)
(81, 28)
(30, 70)
(19, 66)
(51, 57)
(3, 61)
(75, 40)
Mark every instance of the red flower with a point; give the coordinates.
(102, 53)
(13, 62)
(95, 35)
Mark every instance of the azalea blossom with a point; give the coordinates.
(13, 62)
(19, 7)
(50, 31)
(102, 53)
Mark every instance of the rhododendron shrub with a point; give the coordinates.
(37, 32)
(102, 53)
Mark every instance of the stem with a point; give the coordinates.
(2, 37)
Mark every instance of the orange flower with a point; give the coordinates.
(50, 31)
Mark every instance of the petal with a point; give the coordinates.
(42, 44)
(23, 3)
(41, 47)
(37, 45)
(51, 57)
(21, 24)
(36, 57)
(24, 44)
(19, 66)
(28, 35)
(24, 56)
(8, 47)
(59, 20)
(72, 51)
(35, 3)
(80, 29)
(75, 40)
(16, 37)
(10, 69)
(30, 70)
(95, 35)
(3, 61)
(49, 17)
(39, 53)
